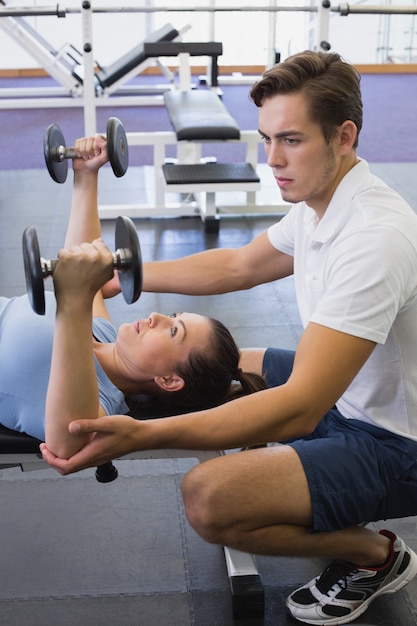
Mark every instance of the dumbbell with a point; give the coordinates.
(57, 153)
(127, 260)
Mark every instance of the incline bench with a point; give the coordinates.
(200, 116)
(109, 78)
(21, 450)
(66, 64)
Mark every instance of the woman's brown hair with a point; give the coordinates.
(212, 374)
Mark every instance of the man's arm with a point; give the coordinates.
(217, 271)
(326, 363)
(220, 270)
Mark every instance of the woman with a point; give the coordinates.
(75, 359)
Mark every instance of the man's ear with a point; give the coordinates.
(173, 382)
(347, 133)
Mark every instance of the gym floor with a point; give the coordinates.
(76, 552)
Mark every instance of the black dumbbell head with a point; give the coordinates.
(117, 147)
(130, 277)
(52, 140)
(33, 270)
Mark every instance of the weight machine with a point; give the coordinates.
(82, 81)
(75, 70)
(66, 65)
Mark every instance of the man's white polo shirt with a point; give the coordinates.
(355, 271)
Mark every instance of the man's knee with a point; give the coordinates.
(199, 494)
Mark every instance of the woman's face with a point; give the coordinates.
(153, 346)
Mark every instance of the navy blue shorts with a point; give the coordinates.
(356, 472)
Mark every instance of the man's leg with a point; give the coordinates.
(259, 501)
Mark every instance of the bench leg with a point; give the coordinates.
(245, 584)
(208, 211)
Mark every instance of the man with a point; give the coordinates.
(345, 405)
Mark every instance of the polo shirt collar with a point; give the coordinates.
(338, 210)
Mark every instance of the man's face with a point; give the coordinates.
(305, 167)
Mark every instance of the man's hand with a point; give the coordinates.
(112, 437)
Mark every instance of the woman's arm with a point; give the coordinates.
(84, 222)
(73, 389)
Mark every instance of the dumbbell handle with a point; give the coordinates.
(121, 259)
(60, 153)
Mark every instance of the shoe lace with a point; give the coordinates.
(337, 573)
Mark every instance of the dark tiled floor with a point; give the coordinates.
(76, 552)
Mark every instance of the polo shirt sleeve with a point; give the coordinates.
(281, 234)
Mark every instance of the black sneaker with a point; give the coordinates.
(344, 590)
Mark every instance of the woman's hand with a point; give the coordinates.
(92, 153)
(112, 287)
(112, 437)
(81, 271)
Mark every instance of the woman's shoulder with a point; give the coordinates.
(104, 330)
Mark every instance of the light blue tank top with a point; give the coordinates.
(25, 359)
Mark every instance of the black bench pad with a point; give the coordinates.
(13, 442)
(209, 173)
(200, 115)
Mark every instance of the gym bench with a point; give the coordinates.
(20, 450)
(198, 117)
